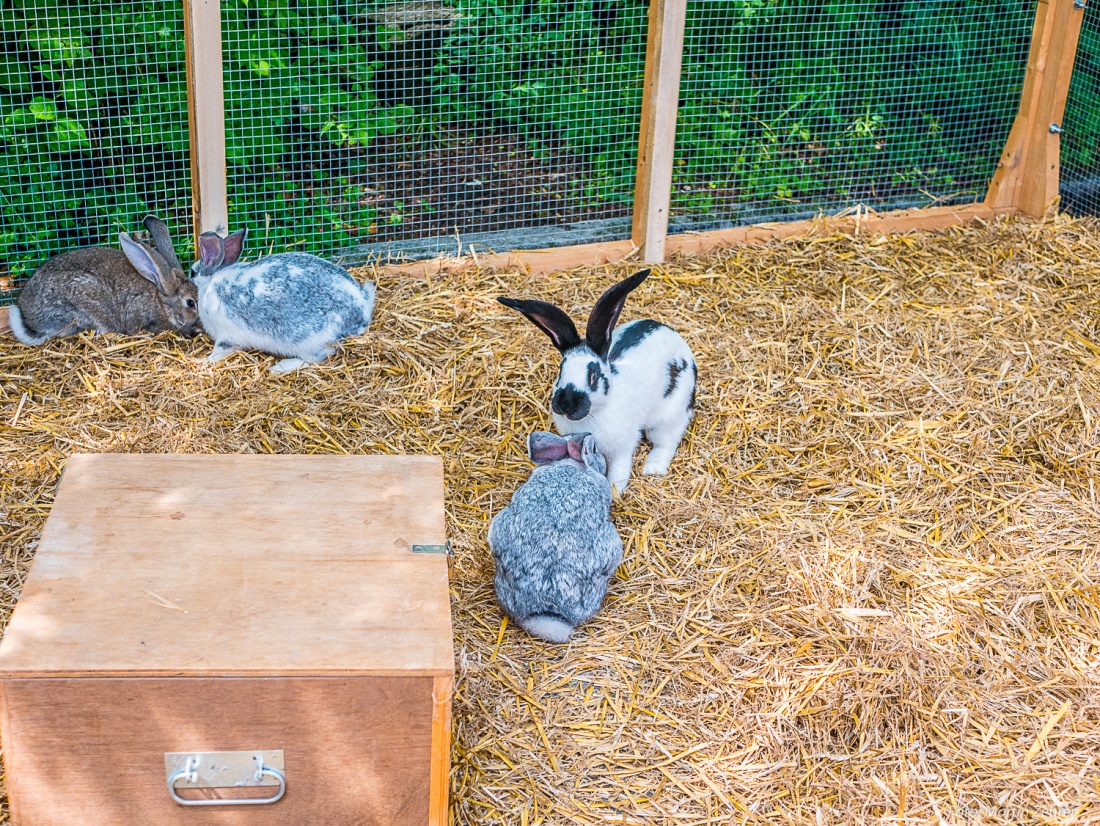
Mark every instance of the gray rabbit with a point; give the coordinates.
(554, 546)
(290, 304)
(133, 290)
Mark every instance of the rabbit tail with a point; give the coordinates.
(20, 331)
(547, 627)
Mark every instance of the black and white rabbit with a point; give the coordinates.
(638, 382)
(554, 546)
(136, 289)
(289, 304)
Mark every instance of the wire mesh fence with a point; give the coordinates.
(93, 126)
(407, 128)
(789, 107)
(1079, 182)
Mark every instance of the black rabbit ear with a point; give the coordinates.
(544, 448)
(162, 240)
(601, 323)
(234, 246)
(550, 319)
(211, 249)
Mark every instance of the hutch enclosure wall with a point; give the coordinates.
(410, 130)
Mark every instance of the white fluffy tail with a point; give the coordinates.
(19, 329)
(369, 289)
(545, 627)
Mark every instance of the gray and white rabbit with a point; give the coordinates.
(289, 304)
(638, 382)
(554, 546)
(131, 290)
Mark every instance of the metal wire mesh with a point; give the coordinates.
(408, 127)
(790, 107)
(404, 128)
(93, 126)
(1079, 180)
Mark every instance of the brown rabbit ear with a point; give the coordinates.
(144, 262)
(163, 240)
(234, 246)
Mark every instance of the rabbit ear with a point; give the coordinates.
(234, 246)
(605, 314)
(591, 455)
(550, 319)
(211, 249)
(544, 448)
(162, 240)
(144, 262)
(573, 444)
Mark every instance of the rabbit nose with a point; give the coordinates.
(570, 402)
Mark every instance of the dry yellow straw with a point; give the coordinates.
(869, 591)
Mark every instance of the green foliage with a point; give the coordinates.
(1081, 138)
(93, 133)
(783, 102)
(832, 101)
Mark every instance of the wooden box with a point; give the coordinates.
(203, 604)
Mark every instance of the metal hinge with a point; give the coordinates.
(445, 548)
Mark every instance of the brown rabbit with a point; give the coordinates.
(133, 290)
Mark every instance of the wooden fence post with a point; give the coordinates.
(206, 115)
(1028, 173)
(657, 141)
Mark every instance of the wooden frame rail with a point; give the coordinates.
(1027, 176)
(614, 252)
(657, 135)
(206, 115)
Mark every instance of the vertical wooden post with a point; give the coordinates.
(440, 784)
(656, 143)
(206, 115)
(1027, 175)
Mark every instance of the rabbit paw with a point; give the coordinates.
(221, 350)
(657, 462)
(288, 366)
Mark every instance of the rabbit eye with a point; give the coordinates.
(594, 376)
(190, 303)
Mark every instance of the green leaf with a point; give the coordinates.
(70, 134)
(43, 108)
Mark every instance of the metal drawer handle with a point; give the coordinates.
(225, 769)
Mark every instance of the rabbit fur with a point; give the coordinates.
(619, 385)
(289, 304)
(554, 546)
(131, 290)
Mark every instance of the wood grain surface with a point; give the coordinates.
(237, 565)
(91, 751)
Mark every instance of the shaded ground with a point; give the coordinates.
(473, 183)
(867, 592)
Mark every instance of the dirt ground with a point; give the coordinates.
(867, 592)
(474, 183)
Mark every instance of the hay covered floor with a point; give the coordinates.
(868, 591)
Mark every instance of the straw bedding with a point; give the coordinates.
(869, 590)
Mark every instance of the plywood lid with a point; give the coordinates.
(168, 565)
